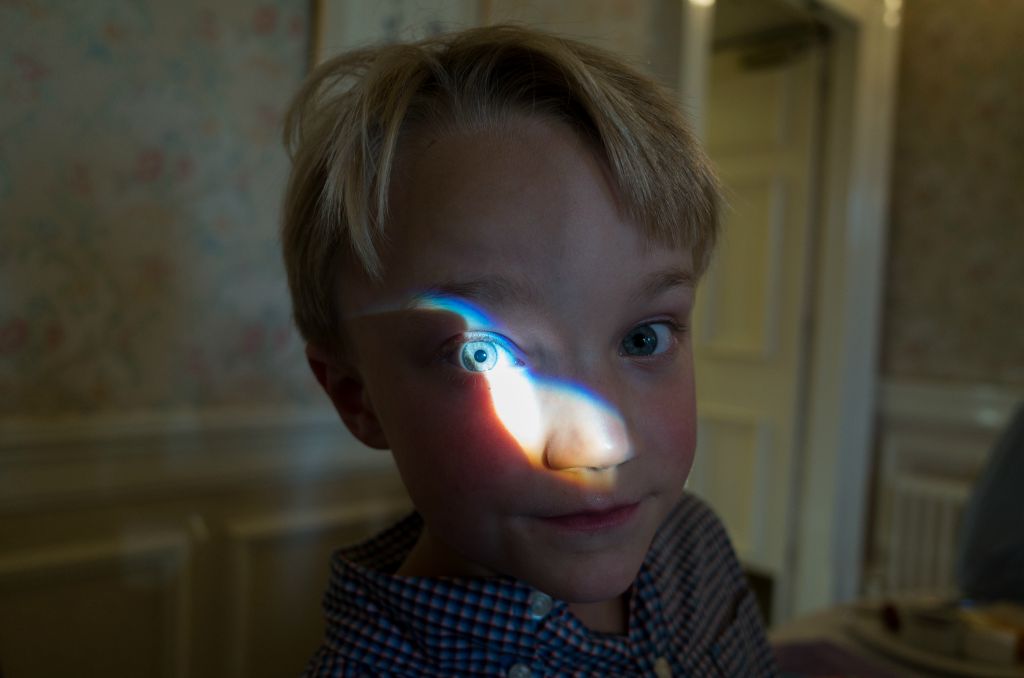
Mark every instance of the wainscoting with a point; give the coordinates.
(174, 546)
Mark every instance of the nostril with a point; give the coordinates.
(593, 446)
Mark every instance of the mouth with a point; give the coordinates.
(593, 521)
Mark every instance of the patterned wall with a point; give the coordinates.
(954, 307)
(141, 175)
(141, 172)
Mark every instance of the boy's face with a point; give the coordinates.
(527, 360)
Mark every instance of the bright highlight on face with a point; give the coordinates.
(533, 408)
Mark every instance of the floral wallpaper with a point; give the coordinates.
(141, 174)
(141, 171)
(954, 307)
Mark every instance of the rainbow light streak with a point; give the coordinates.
(558, 424)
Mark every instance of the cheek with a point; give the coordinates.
(669, 429)
(454, 445)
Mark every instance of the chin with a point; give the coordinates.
(594, 583)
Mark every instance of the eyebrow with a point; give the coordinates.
(489, 291)
(494, 291)
(659, 282)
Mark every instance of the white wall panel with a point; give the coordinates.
(102, 608)
(278, 571)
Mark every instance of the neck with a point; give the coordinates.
(429, 558)
(432, 558)
(607, 616)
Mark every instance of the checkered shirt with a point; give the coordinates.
(691, 614)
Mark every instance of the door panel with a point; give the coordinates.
(752, 305)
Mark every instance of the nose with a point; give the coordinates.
(583, 433)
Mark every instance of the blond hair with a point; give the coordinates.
(348, 120)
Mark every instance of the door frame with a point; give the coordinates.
(836, 425)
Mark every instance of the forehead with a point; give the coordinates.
(532, 203)
(497, 177)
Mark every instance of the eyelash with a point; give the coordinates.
(451, 351)
(676, 330)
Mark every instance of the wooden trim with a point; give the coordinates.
(74, 462)
(983, 406)
(840, 411)
(23, 432)
(696, 22)
(316, 40)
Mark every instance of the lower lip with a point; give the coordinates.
(595, 520)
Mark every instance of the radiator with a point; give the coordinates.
(921, 521)
(934, 441)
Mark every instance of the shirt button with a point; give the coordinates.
(519, 671)
(662, 669)
(540, 605)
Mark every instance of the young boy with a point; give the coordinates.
(492, 242)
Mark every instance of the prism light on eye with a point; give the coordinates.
(557, 424)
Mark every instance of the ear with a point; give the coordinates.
(344, 386)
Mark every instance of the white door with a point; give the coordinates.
(751, 317)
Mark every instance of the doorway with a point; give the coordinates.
(752, 333)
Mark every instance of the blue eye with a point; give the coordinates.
(647, 340)
(485, 353)
(479, 356)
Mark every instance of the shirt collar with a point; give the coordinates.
(441, 618)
